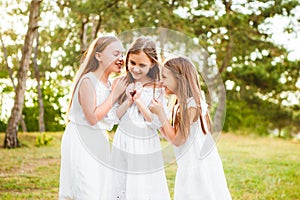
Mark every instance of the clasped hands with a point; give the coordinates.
(134, 91)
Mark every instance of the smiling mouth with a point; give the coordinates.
(119, 64)
(135, 74)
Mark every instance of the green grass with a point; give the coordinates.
(256, 168)
(30, 172)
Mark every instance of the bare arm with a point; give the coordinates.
(167, 129)
(87, 99)
(140, 104)
(143, 109)
(121, 110)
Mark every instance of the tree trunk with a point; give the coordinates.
(96, 26)
(21, 121)
(162, 40)
(229, 48)
(11, 136)
(83, 34)
(37, 77)
(279, 132)
(227, 58)
(23, 124)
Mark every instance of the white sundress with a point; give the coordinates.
(137, 159)
(85, 151)
(200, 174)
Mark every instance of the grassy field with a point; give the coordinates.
(256, 168)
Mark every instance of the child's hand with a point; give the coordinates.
(156, 107)
(130, 92)
(137, 91)
(119, 85)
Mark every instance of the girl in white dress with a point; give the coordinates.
(137, 158)
(85, 151)
(200, 174)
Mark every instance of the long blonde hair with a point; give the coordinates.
(88, 62)
(188, 84)
(148, 46)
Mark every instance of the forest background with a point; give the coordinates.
(253, 43)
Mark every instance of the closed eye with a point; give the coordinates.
(117, 53)
(132, 62)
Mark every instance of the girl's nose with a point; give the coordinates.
(121, 59)
(136, 70)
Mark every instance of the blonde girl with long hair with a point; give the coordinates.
(85, 152)
(137, 157)
(198, 177)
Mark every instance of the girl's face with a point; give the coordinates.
(169, 81)
(112, 57)
(139, 65)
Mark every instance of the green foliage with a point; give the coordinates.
(241, 118)
(7, 89)
(43, 139)
(53, 114)
(3, 73)
(2, 126)
(52, 110)
(247, 113)
(234, 35)
(31, 115)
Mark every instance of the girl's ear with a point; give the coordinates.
(98, 56)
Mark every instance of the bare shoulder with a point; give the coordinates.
(192, 112)
(85, 82)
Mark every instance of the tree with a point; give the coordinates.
(22, 122)
(39, 89)
(234, 33)
(242, 50)
(11, 136)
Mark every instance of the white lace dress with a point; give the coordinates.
(200, 174)
(137, 159)
(85, 151)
